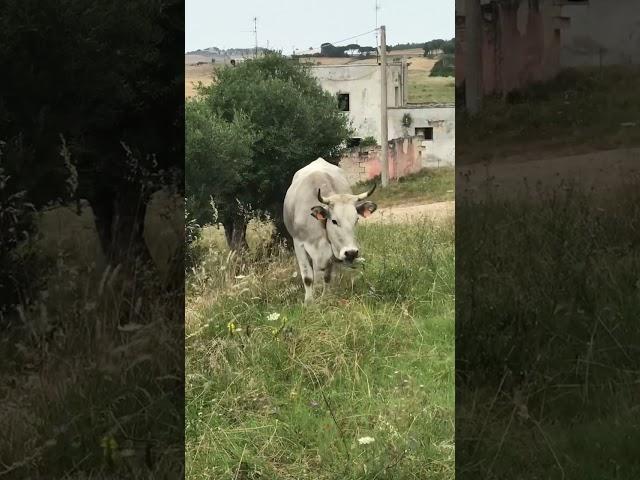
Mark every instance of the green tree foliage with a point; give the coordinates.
(352, 48)
(292, 120)
(218, 155)
(445, 67)
(439, 45)
(406, 46)
(102, 80)
(18, 266)
(330, 50)
(367, 50)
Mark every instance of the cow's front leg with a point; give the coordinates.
(326, 273)
(306, 271)
(322, 266)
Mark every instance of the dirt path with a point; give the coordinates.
(411, 213)
(598, 171)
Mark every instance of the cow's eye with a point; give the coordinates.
(335, 222)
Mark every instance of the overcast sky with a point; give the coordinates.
(286, 24)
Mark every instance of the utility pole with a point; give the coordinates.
(383, 107)
(255, 34)
(473, 56)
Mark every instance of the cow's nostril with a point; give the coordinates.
(351, 255)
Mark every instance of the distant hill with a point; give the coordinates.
(207, 55)
(230, 52)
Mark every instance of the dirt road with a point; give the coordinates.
(597, 171)
(438, 211)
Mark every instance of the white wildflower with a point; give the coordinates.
(273, 317)
(366, 440)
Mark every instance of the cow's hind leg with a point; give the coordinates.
(306, 271)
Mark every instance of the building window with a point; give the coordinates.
(425, 132)
(343, 102)
(397, 92)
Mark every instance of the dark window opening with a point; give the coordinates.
(353, 142)
(425, 132)
(343, 102)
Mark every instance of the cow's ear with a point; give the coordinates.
(366, 208)
(320, 213)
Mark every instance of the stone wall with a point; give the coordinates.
(405, 156)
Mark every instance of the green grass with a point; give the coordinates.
(426, 89)
(70, 380)
(426, 186)
(577, 112)
(289, 398)
(547, 337)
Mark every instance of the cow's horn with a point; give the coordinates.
(364, 195)
(320, 199)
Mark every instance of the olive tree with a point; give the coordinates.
(290, 121)
(218, 153)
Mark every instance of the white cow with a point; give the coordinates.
(321, 214)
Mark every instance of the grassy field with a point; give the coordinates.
(547, 337)
(72, 379)
(426, 89)
(358, 385)
(426, 186)
(422, 87)
(580, 111)
(84, 397)
(197, 73)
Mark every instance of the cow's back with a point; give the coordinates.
(302, 195)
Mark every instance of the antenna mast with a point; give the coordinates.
(255, 34)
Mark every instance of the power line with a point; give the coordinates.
(355, 36)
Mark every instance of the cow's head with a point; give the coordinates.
(339, 214)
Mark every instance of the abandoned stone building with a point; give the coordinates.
(573, 33)
(428, 130)
(517, 28)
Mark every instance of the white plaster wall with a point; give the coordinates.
(613, 25)
(362, 83)
(442, 149)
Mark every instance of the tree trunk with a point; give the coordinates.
(235, 231)
(103, 212)
(128, 245)
(120, 227)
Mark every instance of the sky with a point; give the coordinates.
(300, 24)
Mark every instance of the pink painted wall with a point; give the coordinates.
(403, 158)
(533, 54)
